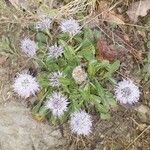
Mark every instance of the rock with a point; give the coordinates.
(20, 132)
(143, 113)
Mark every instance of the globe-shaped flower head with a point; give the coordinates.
(29, 47)
(57, 103)
(55, 51)
(127, 92)
(43, 23)
(54, 79)
(25, 85)
(81, 123)
(70, 26)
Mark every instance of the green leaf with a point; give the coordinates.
(66, 89)
(43, 111)
(65, 81)
(78, 38)
(100, 89)
(92, 67)
(43, 80)
(87, 50)
(107, 98)
(53, 120)
(69, 53)
(76, 100)
(101, 108)
(41, 37)
(85, 92)
(114, 67)
(68, 70)
(96, 99)
(51, 65)
(110, 100)
(63, 43)
(64, 36)
(88, 34)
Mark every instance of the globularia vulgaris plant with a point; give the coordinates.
(71, 72)
(71, 81)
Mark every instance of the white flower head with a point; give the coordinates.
(79, 74)
(25, 85)
(81, 123)
(127, 92)
(55, 51)
(57, 103)
(43, 23)
(29, 47)
(54, 78)
(70, 26)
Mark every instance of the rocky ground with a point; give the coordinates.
(128, 128)
(18, 130)
(22, 132)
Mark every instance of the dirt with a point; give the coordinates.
(125, 130)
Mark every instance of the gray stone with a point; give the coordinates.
(19, 131)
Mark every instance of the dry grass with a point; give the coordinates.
(14, 22)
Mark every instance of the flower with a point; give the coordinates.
(55, 51)
(43, 23)
(29, 47)
(70, 26)
(25, 85)
(81, 123)
(54, 79)
(57, 103)
(79, 74)
(127, 92)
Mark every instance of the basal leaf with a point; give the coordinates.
(65, 81)
(88, 34)
(41, 37)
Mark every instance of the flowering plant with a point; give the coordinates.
(71, 81)
(70, 67)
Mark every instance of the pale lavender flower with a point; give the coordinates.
(57, 103)
(54, 78)
(43, 23)
(81, 123)
(29, 47)
(70, 26)
(79, 74)
(127, 92)
(25, 85)
(55, 51)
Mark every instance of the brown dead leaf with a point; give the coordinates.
(105, 52)
(107, 15)
(139, 8)
(112, 17)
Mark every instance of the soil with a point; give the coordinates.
(126, 130)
